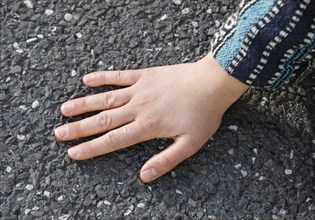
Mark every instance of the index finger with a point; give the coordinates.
(119, 78)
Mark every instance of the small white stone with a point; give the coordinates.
(275, 217)
(217, 23)
(111, 67)
(46, 193)
(21, 137)
(15, 45)
(288, 171)
(128, 212)
(106, 202)
(131, 207)
(244, 173)
(212, 217)
(29, 187)
(209, 11)
(291, 154)
(100, 63)
(141, 205)
(257, 174)
(19, 199)
(60, 198)
(195, 24)
(283, 212)
(79, 35)
(185, 11)
(35, 104)
(40, 36)
(163, 17)
(255, 150)
(177, 2)
(68, 17)
(308, 199)
(233, 127)
(64, 217)
(313, 155)
(313, 141)
(19, 51)
(30, 40)
(27, 211)
(179, 192)
(99, 204)
(238, 166)
(73, 73)
(8, 169)
(23, 107)
(254, 159)
(231, 151)
(264, 101)
(29, 3)
(49, 12)
(261, 178)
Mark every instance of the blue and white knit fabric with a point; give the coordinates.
(267, 43)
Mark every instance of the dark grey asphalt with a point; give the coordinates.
(260, 164)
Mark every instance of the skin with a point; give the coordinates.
(185, 102)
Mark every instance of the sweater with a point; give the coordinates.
(267, 43)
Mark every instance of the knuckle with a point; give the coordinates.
(78, 127)
(118, 76)
(108, 99)
(104, 120)
(112, 138)
(148, 124)
(166, 163)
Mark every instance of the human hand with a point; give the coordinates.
(184, 102)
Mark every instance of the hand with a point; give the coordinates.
(184, 102)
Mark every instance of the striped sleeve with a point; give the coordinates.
(267, 43)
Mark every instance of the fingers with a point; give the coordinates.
(99, 123)
(102, 101)
(165, 161)
(119, 138)
(120, 78)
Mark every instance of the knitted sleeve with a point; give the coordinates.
(267, 43)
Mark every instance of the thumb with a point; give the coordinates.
(165, 161)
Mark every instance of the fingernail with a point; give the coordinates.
(61, 132)
(149, 174)
(88, 78)
(67, 107)
(74, 152)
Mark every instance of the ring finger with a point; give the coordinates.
(99, 123)
(103, 101)
(119, 138)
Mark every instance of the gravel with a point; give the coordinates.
(47, 46)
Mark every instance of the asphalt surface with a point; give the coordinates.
(259, 165)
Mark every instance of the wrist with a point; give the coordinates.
(225, 88)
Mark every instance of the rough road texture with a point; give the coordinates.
(259, 165)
